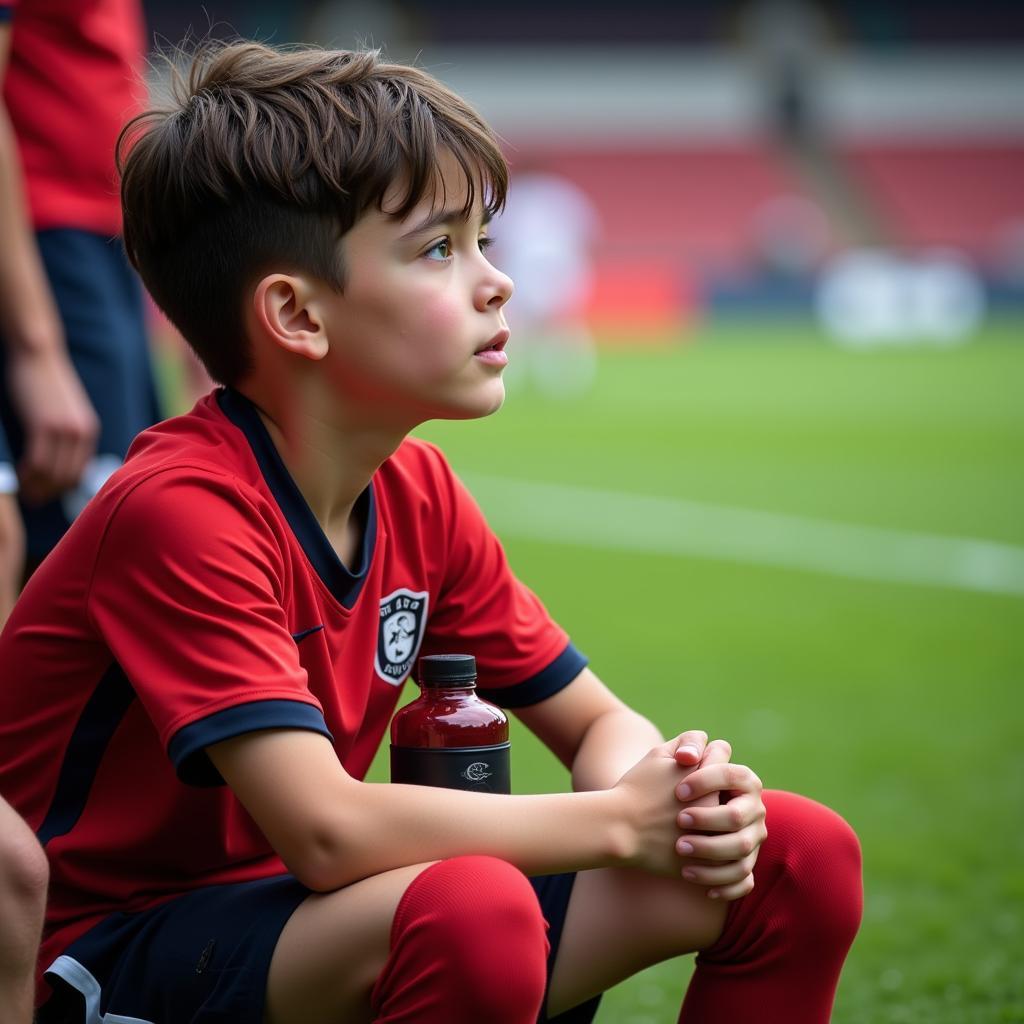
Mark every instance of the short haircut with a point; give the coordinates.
(263, 160)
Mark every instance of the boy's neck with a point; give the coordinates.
(331, 462)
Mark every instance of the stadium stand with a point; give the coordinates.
(670, 216)
(943, 193)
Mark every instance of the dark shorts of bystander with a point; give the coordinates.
(101, 305)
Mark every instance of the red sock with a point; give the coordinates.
(783, 946)
(468, 944)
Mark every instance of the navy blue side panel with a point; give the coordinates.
(96, 726)
(6, 14)
(344, 583)
(187, 748)
(558, 675)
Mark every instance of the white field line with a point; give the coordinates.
(670, 526)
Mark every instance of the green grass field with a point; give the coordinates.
(897, 703)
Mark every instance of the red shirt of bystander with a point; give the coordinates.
(74, 77)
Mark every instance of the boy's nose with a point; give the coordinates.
(496, 290)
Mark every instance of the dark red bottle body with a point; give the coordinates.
(448, 736)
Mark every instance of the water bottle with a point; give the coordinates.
(448, 736)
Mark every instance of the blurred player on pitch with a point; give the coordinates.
(545, 240)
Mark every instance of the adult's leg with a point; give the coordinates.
(12, 552)
(23, 880)
(773, 956)
(456, 942)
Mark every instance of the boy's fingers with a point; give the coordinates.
(729, 778)
(719, 874)
(718, 847)
(736, 814)
(689, 747)
(716, 752)
(718, 778)
(732, 892)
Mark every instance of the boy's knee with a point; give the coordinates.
(24, 873)
(814, 858)
(490, 925)
(480, 921)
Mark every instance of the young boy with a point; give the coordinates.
(196, 679)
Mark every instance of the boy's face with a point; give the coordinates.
(418, 332)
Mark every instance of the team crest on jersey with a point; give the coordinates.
(403, 616)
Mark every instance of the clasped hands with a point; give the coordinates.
(722, 818)
(694, 813)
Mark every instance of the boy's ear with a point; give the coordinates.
(286, 309)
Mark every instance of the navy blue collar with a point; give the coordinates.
(342, 583)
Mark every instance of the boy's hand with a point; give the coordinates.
(651, 807)
(721, 839)
(691, 755)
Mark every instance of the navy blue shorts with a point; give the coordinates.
(100, 301)
(203, 958)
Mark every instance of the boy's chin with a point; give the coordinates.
(485, 404)
(498, 400)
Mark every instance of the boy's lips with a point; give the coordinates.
(493, 352)
(497, 343)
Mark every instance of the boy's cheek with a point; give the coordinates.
(442, 319)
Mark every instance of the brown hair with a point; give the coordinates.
(264, 159)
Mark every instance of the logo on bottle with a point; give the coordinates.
(476, 772)
(403, 616)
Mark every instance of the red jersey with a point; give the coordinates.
(74, 77)
(196, 598)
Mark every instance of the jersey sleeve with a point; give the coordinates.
(187, 593)
(523, 655)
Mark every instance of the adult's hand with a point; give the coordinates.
(60, 424)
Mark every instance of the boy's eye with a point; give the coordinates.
(440, 250)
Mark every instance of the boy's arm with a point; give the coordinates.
(593, 733)
(332, 830)
(59, 422)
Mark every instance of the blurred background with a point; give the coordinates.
(860, 162)
(763, 447)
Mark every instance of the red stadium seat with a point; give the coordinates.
(943, 193)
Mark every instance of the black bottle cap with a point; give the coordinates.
(447, 670)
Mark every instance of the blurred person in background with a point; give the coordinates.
(76, 383)
(786, 39)
(544, 241)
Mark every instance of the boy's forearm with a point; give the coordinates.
(612, 745)
(387, 826)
